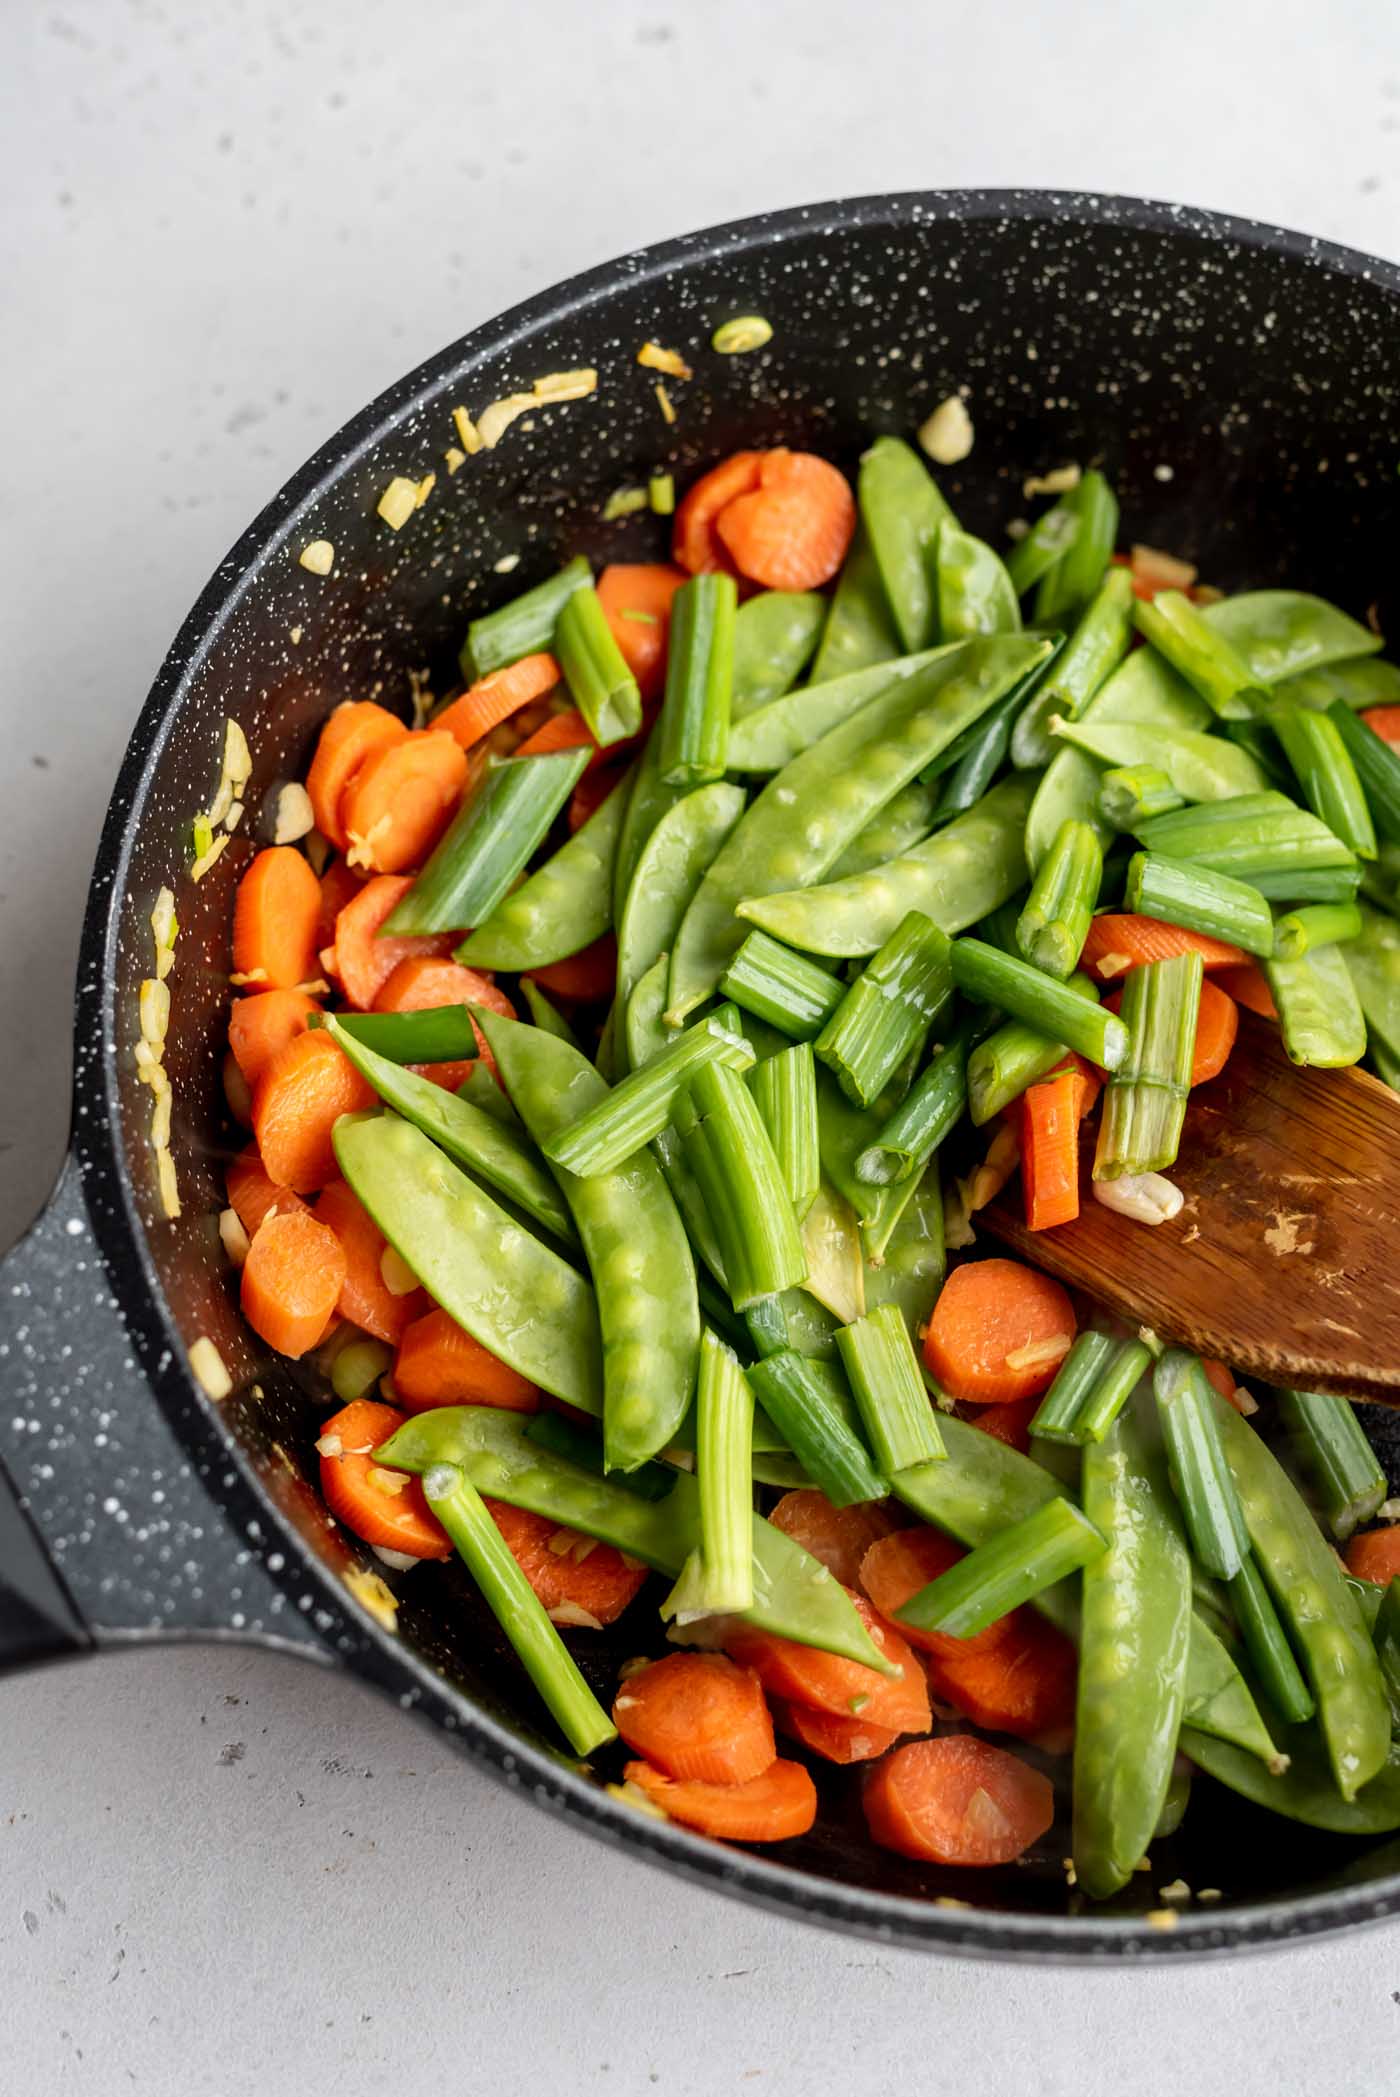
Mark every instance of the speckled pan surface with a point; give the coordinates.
(1238, 384)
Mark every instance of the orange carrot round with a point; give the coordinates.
(494, 699)
(1375, 1554)
(293, 1274)
(583, 1584)
(838, 1536)
(238, 1093)
(340, 884)
(957, 1800)
(834, 1739)
(584, 977)
(297, 1102)
(895, 1569)
(259, 1026)
(400, 800)
(695, 545)
(1249, 986)
(829, 1683)
(253, 1196)
(1217, 1024)
(379, 1506)
(1386, 722)
(566, 731)
(697, 1717)
(1120, 941)
(1009, 1423)
(275, 915)
(441, 1364)
(643, 589)
(794, 530)
(422, 981)
(353, 732)
(365, 1297)
(1023, 1684)
(999, 1331)
(775, 1807)
(363, 961)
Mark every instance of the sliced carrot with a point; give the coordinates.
(775, 1807)
(293, 1274)
(353, 732)
(834, 1739)
(804, 1675)
(585, 977)
(566, 731)
(340, 884)
(364, 962)
(422, 981)
(1375, 1554)
(1049, 1133)
(694, 544)
(697, 1717)
(439, 1363)
(592, 791)
(238, 1095)
(253, 1196)
(957, 1800)
(366, 1298)
(636, 596)
(1118, 942)
(258, 1027)
(494, 699)
(794, 530)
(1024, 1684)
(1217, 1024)
(297, 1102)
(400, 800)
(838, 1536)
(1249, 986)
(582, 1583)
(1386, 722)
(1009, 1423)
(274, 920)
(1220, 1378)
(896, 1568)
(380, 1506)
(999, 1331)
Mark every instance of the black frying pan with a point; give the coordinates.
(1239, 384)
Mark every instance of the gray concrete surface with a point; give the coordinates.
(222, 227)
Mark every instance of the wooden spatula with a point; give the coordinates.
(1285, 1258)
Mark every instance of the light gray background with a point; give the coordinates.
(222, 228)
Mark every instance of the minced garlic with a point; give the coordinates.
(293, 817)
(208, 1368)
(947, 434)
(655, 358)
(398, 502)
(319, 557)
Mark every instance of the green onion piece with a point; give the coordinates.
(1093, 651)
(517, 1608)
(1332, 1448)
(1079, 573)
(623, 502)
(1318, 1008)
(788, 990)
(1262, 744)
(784, 1087)
(1014, 1056)
(1315, 925)
(735, 338)
(524, 626)
(439, 1034)
(595, 669)
(1208, 662)
(1145, 1100)
(1113, 1390)
(1130, 794)
(1054, 924)
(1283, 850)
(888, 1008)
(931, 1108)
(727, 1149)
(568, 1438)
(1047, 541)
(639, 1107)
(998, 1576)
(796, 1393)
(1200, 1474)
(883, 1372)
(1266, 1642)
(494, 833)
(1056, 1010)
(718, 1574)
(1321, 759)
(970, 764)
(694, 724)
(767, 1326)
(1377, 767)
(1057, 1417)
(661, 493)
(1182, 893)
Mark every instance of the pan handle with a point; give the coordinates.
(107, 1535)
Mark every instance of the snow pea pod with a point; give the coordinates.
(975, 593)
(648, 798)
(667, 874)
(1310, 1592)
(1142, 688)
(959, 875)
(546, 1014)
(795, 1596)
(1373, 961)
(774, 636)
(1282, 633)
(471, 1136)
(911, 1273)
(807, 815)
(512, 1293)
(835, 1281)
(1359, 682)
(1091, 654)
(1304, 1790)
(1135, 1630)
(1200, 767)
(901, 824)
(634, 1242)
(903, 512)
(1069, 585)
(860, 629)
(647, 1034)
(774, 734)
(1318, 1007)
(563, 906)
(844, 1132)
